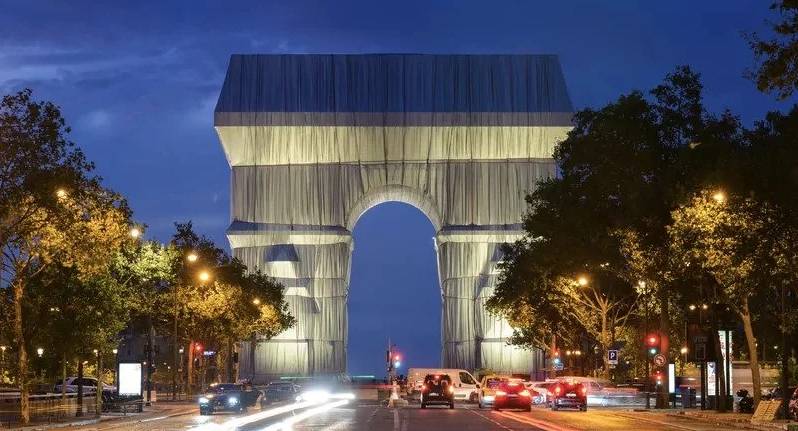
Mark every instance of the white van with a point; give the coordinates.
(465, 385)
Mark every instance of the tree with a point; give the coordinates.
(621, 171)
(51, 211)
(742, 245)
(777, 71)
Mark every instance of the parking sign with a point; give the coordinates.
(612, 357)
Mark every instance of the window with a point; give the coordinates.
(466, 378)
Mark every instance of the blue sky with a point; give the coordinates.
(138, 84)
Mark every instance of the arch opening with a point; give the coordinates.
(394, 289)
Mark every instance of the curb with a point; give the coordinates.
(97, 421)
(731, 423)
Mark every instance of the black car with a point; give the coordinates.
(437, 389)
(568, 394)
(512, 395)
(227, 397)
(279, 391)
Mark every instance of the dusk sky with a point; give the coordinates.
(138, 84)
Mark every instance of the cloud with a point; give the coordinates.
(98, 120)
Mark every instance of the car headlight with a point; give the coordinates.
(232, 401)
(204, 400)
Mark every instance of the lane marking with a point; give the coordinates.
(536, 422)
(396, 419)
(299, 417)
(490, 420)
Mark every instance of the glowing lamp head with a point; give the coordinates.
(135, 233)
(61, 193)
(582, 280)
(204, 276)
(719, 197)
(192, 257)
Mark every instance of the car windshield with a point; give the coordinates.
(437, 379)
(494, 383)
(224, 387)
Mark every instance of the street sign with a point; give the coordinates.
(557, 367)
(612, 357)
(659, 360)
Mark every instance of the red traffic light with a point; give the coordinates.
(652, 340)
(198, 347)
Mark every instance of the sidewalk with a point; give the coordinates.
(738, 420)
(158, 411)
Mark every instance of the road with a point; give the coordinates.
(360, 417)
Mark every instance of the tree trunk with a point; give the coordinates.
(190, 370)
(98, 400)
(720, 371)
(79, 412)
(605, 345)
(664, 349)
(756, 379)
(22, 353)
(552, 355)
(253, 345)
(63, 379)
(229, 369)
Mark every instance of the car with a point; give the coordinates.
(437, 389)
(89, 385)
(569, 394)
(488, 387)
(512, 394)
(234, 397)
(465, 385)
(538, 396)
(279, 391)
(544, 391)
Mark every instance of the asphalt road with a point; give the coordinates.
(359, 417)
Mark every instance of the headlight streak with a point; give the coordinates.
(234, 423)
(293, 420)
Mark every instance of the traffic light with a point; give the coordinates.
(652, 344)
(658, 377)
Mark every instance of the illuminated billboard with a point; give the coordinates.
(130, 378)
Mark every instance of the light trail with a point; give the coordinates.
(234, 423)
(288, 423)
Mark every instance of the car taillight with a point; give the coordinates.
(451, 390)
(557, 390)
(524, 393)
(500, 393)
(584, 391)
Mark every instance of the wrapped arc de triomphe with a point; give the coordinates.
(313, 141)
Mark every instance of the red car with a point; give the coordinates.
(512, 395)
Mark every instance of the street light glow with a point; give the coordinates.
(204, 276)
(704, 306)
(683, 350)
(256, 301)
(61, 193)
(719, 197)
(115, 351)
(135, 233)
(40, 352)
(582, 280)
(692, 307)
(192, 257)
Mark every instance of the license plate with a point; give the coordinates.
(434, 394)
(571, 395)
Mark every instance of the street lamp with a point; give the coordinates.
(719, 197)
(135, 233)
(204, 276)
(582, 280)
(40, 352)
(256, 301)
(192, 257)
(692, 307)
(61, 193)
